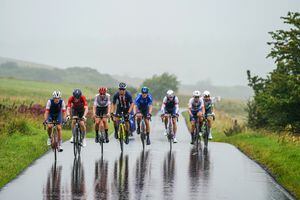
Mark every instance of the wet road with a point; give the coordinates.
(224, 173)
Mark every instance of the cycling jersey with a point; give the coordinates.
(123, 102)
(102, 103)
(194, 105)
(77, 104)
(55, 110)
(208, 105)
(143, 103)
(170, 106)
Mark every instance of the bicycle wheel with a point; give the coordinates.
(75, 141)
(143, 133)
(79, 135)
(101, 142)
(205, 136)
(121, 136)
(54, 143)
(170, 133)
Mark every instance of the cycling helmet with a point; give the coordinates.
(56, 94)
(170, 93)
(122, 85)
(102, 90)
(77, 93)
(145, 90)
(196, 93)
(206, 93)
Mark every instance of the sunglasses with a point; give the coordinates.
(121, 89)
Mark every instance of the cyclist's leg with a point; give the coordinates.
(200, 118)
(174, 126)
(127, 127)
(147, 123)
(83, 131)
(97, 128)
(104, 125)
(116, 126)
(193, 127)
(138, 120)
(209, 123)
(59, 131)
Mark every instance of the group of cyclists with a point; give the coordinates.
(199, 107)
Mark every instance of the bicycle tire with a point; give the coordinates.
(55, 145)
(101, 142)
(142, 128)
(205, 136)
(121, 136)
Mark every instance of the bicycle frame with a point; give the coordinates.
(77, 136)
(121, 132)
(101, 129)
(54, 138)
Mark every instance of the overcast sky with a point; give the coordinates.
(194, 39)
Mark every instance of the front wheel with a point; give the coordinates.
(122, 136)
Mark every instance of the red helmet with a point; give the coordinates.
(102, 90)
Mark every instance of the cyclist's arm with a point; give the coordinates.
(131, 107)
(63, 109)
(95, 106)
(131, 104)
(150, 109)
(190, 107)
(86, 107)
(163, 105)
(176, 105)
(113, 105)
(203, 107)
(69, 106)
(108, 104)
(46, 115)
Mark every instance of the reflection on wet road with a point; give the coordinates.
(156, 173)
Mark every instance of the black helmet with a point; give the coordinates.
(122, 85)
(77, 93)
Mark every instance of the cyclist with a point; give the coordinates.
(196, 109)
(55, 110)
(170, 106)
(143, 108)
(78, 106)
(209, 114)
(122, 102)
(101, 108)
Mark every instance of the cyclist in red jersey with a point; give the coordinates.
(78, 106)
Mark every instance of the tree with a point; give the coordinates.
(276, 101)
(159, 84)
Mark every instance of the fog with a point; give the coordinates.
(194, 39)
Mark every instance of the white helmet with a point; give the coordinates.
(56, 94)
(170, 93)
(206, 93)
(196, 93)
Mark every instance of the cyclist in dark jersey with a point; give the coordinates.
(196, 111)
(78, 106)
(122, 102)
(170, 106)
(55, 111)
(101, 108)
(209, 108)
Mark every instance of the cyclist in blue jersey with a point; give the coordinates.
(143, 108)
(55, 111)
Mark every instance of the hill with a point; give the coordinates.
(29, 71)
